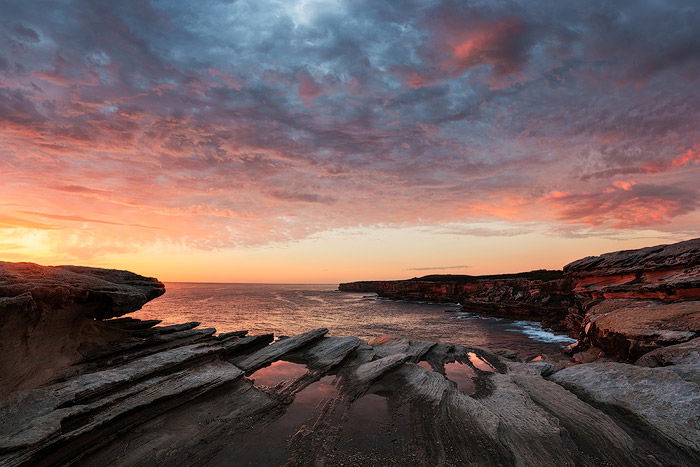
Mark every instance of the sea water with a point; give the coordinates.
(288, 309)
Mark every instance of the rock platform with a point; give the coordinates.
(85, 385)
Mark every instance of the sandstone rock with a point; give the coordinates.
(594, 432)
(131, 348)
(538, 295)
(226, 335)
(54, 437)
(507, 354)
(140, 394)
(655, 400)
(634, 301)
(324, 354)
(389, 345)
(49, 317)
(235, 345)
(679, 354)
(627, 329)
(267, 355)
(132, 323)
(132, 415)
(588, 356)
(367, 372)
(659, 272)
(688, 371)
(176, 327)
(100, 293)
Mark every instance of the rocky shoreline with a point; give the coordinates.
(618, 305)
(83, 384)
(543, 296)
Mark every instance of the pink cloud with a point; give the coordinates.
(309, 89)
(627, 206)
(624, 185)
(461, 42)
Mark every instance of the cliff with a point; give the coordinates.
(135, 393)
(635, 301)
(619, 305)
(541, 295)
(389, 288)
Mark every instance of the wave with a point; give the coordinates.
(535, 331)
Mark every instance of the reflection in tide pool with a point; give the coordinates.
(277, 372)
(293, 309)
(480, 363)
(463, 375)
(269, 444)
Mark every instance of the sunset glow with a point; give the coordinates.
(327, 141)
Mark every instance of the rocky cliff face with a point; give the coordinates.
(361, 286)
(635, 301)
(544, 301)
(50, 316)
(539, 295)
(664, 272)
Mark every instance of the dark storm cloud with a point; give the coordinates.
(355, 112)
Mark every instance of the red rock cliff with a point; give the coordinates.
(537, 295)
(635, 301)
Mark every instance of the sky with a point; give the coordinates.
(337, 140)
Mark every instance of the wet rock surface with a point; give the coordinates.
(149, 395)
(339, 401)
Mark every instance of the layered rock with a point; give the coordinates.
(664, 272)
(395, 402)
(635, 301)
(664, 401)
(50, 317)
(685, 353)
(537, 300)
(538, 295)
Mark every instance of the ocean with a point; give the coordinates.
(288, 309)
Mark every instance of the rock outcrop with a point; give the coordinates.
(50, 317)
(664, 272)
(636, 394)
(331, 401)
(632, 302)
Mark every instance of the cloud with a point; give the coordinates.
(438, 268)
(627, 205)
(224, 133)
(83, 219)
(9, 222)
(78, 189)
(299, 197)
(485, 231)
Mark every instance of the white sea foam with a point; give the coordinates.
(535, 331)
